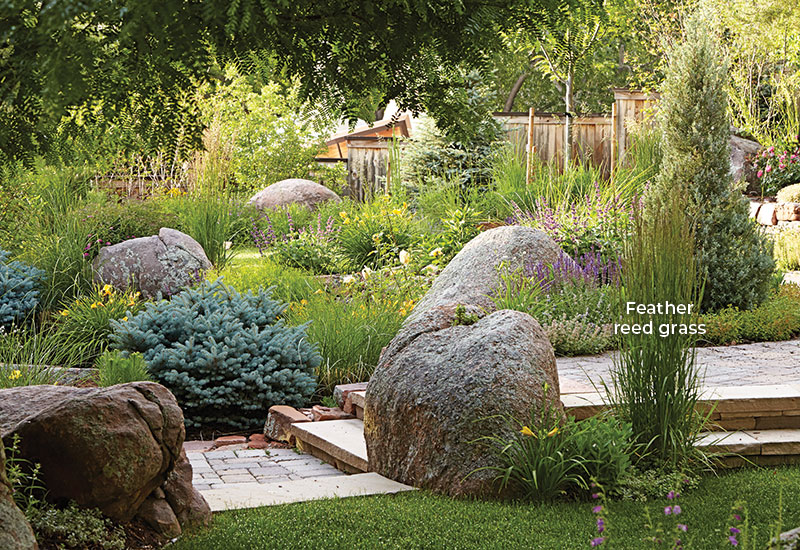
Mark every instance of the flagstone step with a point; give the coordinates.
(253, 495)
(762, 447)
(358, 398)
(337, 442)
(733, 408)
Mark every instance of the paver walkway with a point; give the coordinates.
(215, 469)
(758, 364)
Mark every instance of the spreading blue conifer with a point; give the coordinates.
(227, 357)
(19, 290)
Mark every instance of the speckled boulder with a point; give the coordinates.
(160, 265)
(293, 191)
(109, 448)
(15, 532)
(436, 386)
(473, 276)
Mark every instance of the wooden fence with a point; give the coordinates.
(367, 166)
(600, 140)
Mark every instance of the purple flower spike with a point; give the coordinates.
(601, 525)
(733, 541)
(682, 527)
(735, 531)
(676, 510)
(667, 510)
(598, 541)
(597, 509)
(595, 495)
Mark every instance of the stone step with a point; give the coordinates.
(357, 398)
(762, 447)
(337, 442)
(733, 408)
(252, 495)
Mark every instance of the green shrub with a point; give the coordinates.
(787, 250)
(24, 477)
(115, 368)
(86, 322)
(75, 528)
(790, 193)
(19, 290)
(375, 235)
(212, 219)
(734, 259)
(642, 485)
(578, 336)
(111, 222)
(227, 357)
(548, 455)
(778, 318)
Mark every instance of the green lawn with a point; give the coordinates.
(423, 520)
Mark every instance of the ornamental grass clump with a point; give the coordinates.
(227, 357)
(655, 381)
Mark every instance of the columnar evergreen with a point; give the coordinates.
(734, 259)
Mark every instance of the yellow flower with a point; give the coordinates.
(64, 312)
(319, 291)
(436, 252)
(527, 431)
(108, 290)
(303, 302)
(15, 374)
(93, 306)
(405, 257)
(131, 303)
(552, 432)
(125, 318)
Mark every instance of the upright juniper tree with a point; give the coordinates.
(735, 260)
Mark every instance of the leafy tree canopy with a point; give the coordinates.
(147, 56)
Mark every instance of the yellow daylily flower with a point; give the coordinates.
(527, 431)
(303, 302)
(108, 290)
(94, 305)
(319, 291)
(125, 318)
(64, 312)
(15, 374)
(552, 432)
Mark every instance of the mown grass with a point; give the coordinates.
(421, 520)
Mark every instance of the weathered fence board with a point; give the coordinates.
(367, 161)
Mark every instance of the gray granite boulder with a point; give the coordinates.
(473, 275)
(118, 449)
(293, 191)
(435, 387)
(15, 531)
(160, 265)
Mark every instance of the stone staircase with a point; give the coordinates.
(747, 425)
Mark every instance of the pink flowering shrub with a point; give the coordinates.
(777, 167)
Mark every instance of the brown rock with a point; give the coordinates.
(329, 413)
(229, 440)
(788, 212)
(767, 214)
(258, 445)
(257, 437)
(158, 514)
(439, 387)
(279, 420)
(106, 448)
(341, 392)
(15, 531)
(188, 505)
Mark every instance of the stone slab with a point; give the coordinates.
(747, 398)
(342, 439)
(777, 442)
(253, 495)
(742, 443)
(767, 214)
(341, 392)
(583, 405)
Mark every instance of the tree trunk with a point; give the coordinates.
(568, 120)
(512, 95)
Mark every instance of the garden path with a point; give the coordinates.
(759, 364)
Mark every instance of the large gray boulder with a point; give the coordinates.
(293, 191)
(436, 388)
(473, 275)
(742, 152)
(118, 449)
(15, 531)
(160, 265)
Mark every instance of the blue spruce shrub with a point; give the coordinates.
(19, 289)
(227, 357)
